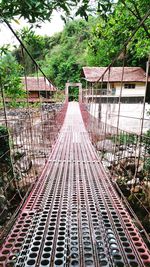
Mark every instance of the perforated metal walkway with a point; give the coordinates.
(73, 216)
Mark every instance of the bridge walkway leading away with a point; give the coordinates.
(73, 216)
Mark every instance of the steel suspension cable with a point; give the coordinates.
(27, 51)
(6, 124)
(29, 111)
(106, 113)
(142, 119)
(121, 88)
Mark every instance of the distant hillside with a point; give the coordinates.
(68, 53)
(92, 43)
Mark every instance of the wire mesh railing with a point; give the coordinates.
(126, 156)
(115, 110)
(29, 126)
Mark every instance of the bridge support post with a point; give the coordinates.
(68, 84)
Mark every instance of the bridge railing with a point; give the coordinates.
(28, 131)
(126, 157)
(115, 108)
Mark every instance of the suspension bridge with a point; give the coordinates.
(72, 213)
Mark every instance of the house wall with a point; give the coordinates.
(34, 94)
(114, 89)
(130, 115)
(139, 89)
(45, 94)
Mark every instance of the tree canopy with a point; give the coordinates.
(108, 38)
(41, 10)
(10, 78)
(65, 60)
(93, 43)
(36, 45)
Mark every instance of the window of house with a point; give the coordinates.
(103, 85)
(113, 91)
(129, 85)
(43, 94)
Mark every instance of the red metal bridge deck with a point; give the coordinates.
(73, 216)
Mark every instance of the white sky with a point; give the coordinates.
(48, 28)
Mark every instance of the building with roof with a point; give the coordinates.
(108, 83)
(109, 87)
(38, 88)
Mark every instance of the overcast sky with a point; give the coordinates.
(48, 28)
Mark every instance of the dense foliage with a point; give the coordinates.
(5, 160)
(94, 43)
(10, 78)
(109, 37)
(4, 140)
(65, 60)
(38, 46)
(36, 10)
(61, 56)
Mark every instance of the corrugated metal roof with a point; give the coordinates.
(131, 74)
(40, 84)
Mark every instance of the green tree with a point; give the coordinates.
(10, 78)
(92, 43)
(36, 45)
(39, 10)
(108, 38)
(5, 158)
(68, 55)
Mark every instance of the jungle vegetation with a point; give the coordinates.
(92, 41)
